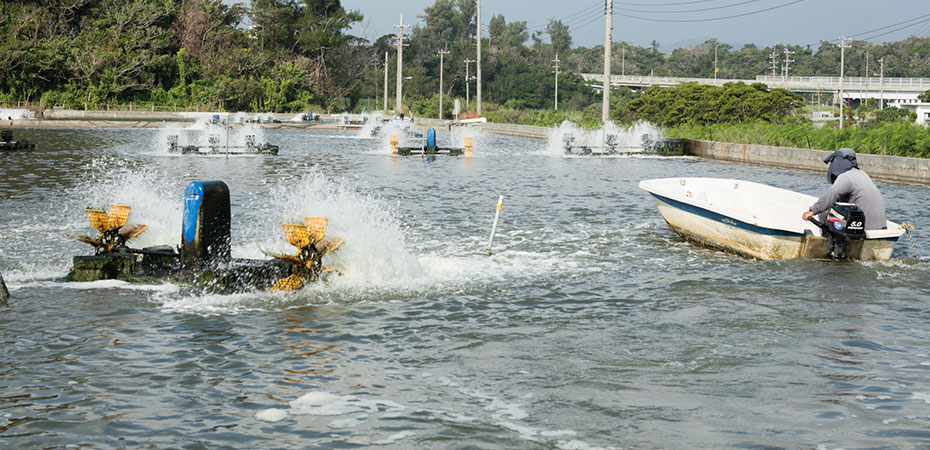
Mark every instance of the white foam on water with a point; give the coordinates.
(576, 445)
(214, 304)
(629, 139)
(23, 274)
(395, 437)
(100, 284)
(354, 411)
(923, 396)
(271, 415)
(321, 403)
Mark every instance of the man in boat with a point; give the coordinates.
(850, 185)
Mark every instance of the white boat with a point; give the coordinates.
(754, 219)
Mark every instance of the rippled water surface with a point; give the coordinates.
(590, 326)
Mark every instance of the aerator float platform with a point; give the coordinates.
(214, 147)
(203, 259)
(430, 148)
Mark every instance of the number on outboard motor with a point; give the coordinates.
(845, 222)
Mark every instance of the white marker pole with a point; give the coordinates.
(500, 206)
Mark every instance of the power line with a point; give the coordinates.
(923, 30)
(892, 25)
(891, 31)
(711, 19)
(689, 10)
(585, 11)
(664, 4)
(596, 18)
(596, 13)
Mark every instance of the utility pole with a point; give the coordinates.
(774, 64)
(843, 47)
(479, 57)
(385, 80)
(715, 60)
(400, 62)
(468, 83)
(881, 83)
(787, 64)
(608, 43)
(442, 53)
(867, 63)
(556, 61)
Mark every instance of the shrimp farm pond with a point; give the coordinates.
(590, 324)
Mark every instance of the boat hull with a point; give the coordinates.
(716, 229)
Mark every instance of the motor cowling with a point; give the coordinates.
(844, 222)
(847, 219)
(431, 140)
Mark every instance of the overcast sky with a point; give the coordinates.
(798, 22)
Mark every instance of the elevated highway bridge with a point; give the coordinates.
(898, 90)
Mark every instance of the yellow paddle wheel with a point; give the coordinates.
(307, 263)
(112, 228)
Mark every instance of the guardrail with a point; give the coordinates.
(849, 83)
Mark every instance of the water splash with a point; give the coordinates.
(155, 198)
(211, 130)
(375, 252)
(629, 139)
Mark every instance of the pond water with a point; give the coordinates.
(591, 324)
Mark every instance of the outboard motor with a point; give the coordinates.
(845, 222)
(430, 141)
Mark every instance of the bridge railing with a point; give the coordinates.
(848, 82)
(828, 83)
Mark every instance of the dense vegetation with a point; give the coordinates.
(289, 55)
(899, 138)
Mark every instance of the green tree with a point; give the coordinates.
(559, 37)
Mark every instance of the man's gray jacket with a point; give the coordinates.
(855, 186)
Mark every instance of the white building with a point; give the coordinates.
(922, 109)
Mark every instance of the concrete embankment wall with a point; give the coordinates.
(881, 167)
(158, 119)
